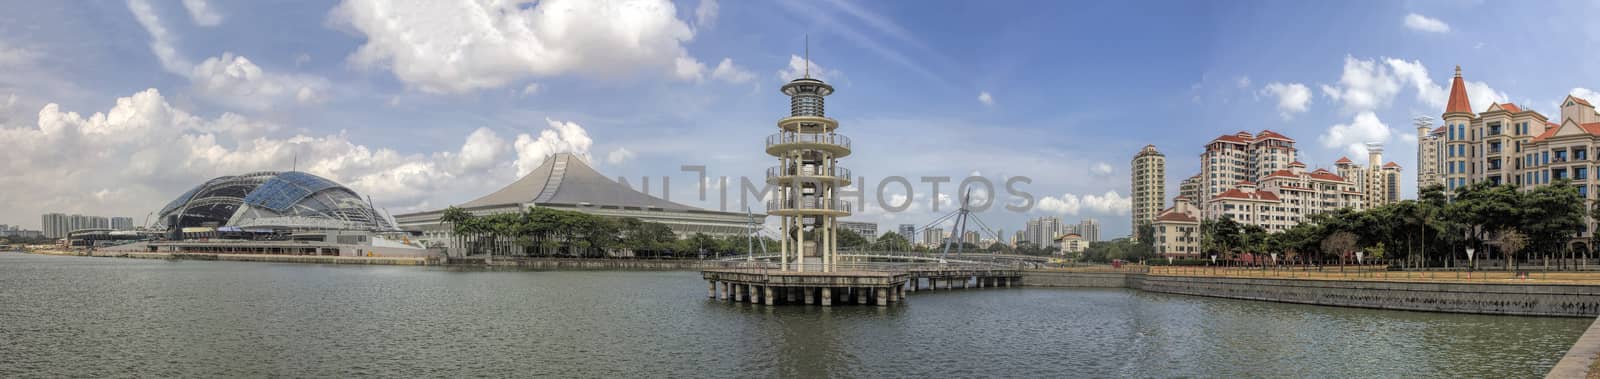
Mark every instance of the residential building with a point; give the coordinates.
(1230, 159)
(1492, 146)
(1177, 231)
(55, 225)
(1189, 190)
(1017, 239)
(971, 236)
(909, 232)
(932, 237)
(122, 223)
(1043, 230)
(1072, 244)
(1378, 182)
(1430, 155)
(1089, 228)
(1149, 186)
(868, 230)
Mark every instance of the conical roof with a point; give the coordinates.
(1458, 96)
(564, 179)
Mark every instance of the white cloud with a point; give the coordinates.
(1353, 136)
(705, 14)
(798, 68)
(985, 98)
(728, 72)
(560, 137)
(236, 81)
(1243, 82)
(1292, 98)
(1101, 169)
(1436, 95)
(1110, 203)
(12, 56)
(456, 47)
(1427, 24)
(530, 89)
(1364, 85)
(1583, 93)
(619, 156)
(143, 151)
(202, 13)
(301, 59)
(161, 40)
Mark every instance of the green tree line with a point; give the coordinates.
(547, 232)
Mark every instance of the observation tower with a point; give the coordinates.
(806, 179)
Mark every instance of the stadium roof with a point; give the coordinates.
(565, 179)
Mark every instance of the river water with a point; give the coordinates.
(97, 317)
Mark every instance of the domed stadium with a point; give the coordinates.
(289, 200)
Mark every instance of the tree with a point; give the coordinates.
(1338, 245)
(850, 240)
(1511, 241)
(891, 242)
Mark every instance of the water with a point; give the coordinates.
(96, 317)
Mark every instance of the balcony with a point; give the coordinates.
(782, 143)
(838, 175)
(810, 206)
(812, 124)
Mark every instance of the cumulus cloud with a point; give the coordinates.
(705, 14)
(985, 98)
(1426, 24)
(1583, 93)
(235, 80)
(619, 156)
(458, 46)
(1372, 84)
(1101, 169)
(1292, 98)
(1110, 203)
(202, 13)
(13, 56)
(161, 40)
(1353, 136)
(797, 69)
(726, 71)
(141, 152)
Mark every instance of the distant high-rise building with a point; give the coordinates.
(971, 236)
(1089, 229)
(55, 225)
(1042, 231)
(1018, 238)
(1189, 190)
(1149, 185)
(908, 231)
(933, 237)
(868, 230)
(122, 223)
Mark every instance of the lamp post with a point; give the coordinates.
(1470, 262)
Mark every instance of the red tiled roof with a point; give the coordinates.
(1173, 215)
(1296, 164)
(1439, 130)
(1256, 195)
(1391, 164)
(1549, 131)
(1580, 100)
(1282, 174)
(1265, 134)
(1246, 183)
(1458, 96)
(1231, 138)
(1343, 160)
(1323, 174)
(1509, 107)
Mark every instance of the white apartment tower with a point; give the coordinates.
(1149, 186)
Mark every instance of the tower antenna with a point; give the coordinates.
(808, 56)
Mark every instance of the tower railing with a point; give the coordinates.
(836, 171)
(784, 138)
(804, 204)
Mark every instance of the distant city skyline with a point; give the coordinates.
(361, 92)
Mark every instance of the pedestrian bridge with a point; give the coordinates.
(900, 256)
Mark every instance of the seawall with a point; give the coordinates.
(587, 264)
(1562, 300)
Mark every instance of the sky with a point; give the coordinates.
(113, 108)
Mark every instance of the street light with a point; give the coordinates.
(1470, 264)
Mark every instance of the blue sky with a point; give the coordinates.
(425, 106)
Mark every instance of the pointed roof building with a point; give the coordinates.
(1458, 96)
(565, 181)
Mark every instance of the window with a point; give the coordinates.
(1579, 154)
(1580, 173)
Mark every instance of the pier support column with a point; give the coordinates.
(827, 296)
(809, 294)
(723, 295)
(883, 296)
(767, 291)
(788, 295)
(861, 295)
(980, 281)
(738, 293)
(1005, 282)
(712, 292)
(894, 295)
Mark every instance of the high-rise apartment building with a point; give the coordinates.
(1379, 183)
(908, 231)
(1149, 186)
(122, 223)
(933, 237)
(1255, 179)
(1189, 190)
(1042, 231)
(1089, 229)
(54, 225)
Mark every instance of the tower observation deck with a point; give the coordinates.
(806, 179)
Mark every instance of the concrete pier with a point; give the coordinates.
(763, 286)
